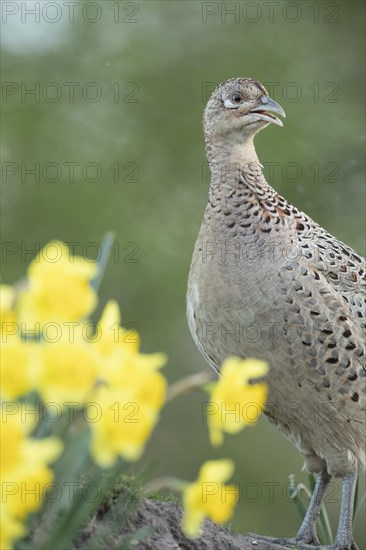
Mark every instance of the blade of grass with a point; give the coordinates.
(106, 247)
(355, 501)
(358, 507)
(295, 496)
(326, 534)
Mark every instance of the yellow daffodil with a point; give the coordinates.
(209, 496)
(17, 368)
(24, 471)
(111, 338)
(132, 395)
(11, 529)
(68, 370)
(15, 364)
(7, 313)
(234, 402)
(123, 425)
(59, 287)
(129, 402)
(138, 374)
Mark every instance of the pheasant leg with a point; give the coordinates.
(307, 531)
(344, 538)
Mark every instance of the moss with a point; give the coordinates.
(103, 529)
(164, 498)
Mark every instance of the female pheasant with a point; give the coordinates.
(266, 281)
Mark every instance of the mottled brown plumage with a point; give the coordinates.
(267, 281)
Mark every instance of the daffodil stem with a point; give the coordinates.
(164, 482)
(188, 383)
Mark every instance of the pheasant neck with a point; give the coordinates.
(227, 160)
(241, 200)
(236, 168)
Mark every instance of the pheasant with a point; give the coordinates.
(266, 281)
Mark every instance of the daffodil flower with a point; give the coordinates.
(7, 313)
(123, 427)
(112, 341)
(131, 393)
(209, 497)
(68, 370)
(58, 288)
(234, 401)
(130, 399)
(24, 472)
(17, 367)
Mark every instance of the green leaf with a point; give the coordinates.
(106, 247)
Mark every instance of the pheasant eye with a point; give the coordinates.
(236, 98)
(232, 101)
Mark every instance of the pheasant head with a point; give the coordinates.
(238, 109)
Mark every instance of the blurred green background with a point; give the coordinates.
(124, 84)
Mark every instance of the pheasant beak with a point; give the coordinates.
(266, 108)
